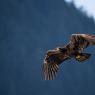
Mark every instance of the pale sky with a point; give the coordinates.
(88, 5)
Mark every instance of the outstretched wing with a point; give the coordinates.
(82, 41)
(51, 63)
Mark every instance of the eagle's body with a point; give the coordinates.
(74, 49)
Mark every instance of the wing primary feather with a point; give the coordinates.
(54, 68)
(53, 72)
(45, 70)
(50, 71)
(52, 75)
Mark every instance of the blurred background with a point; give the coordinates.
(28, 28)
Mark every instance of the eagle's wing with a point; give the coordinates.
(51, 63)
(82, 41)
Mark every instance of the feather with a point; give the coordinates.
(50, 71)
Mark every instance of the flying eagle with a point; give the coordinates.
(74, 49)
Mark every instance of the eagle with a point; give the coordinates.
(73, 49)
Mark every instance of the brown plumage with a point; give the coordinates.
(74, 49)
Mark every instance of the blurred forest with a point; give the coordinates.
(28, 28)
